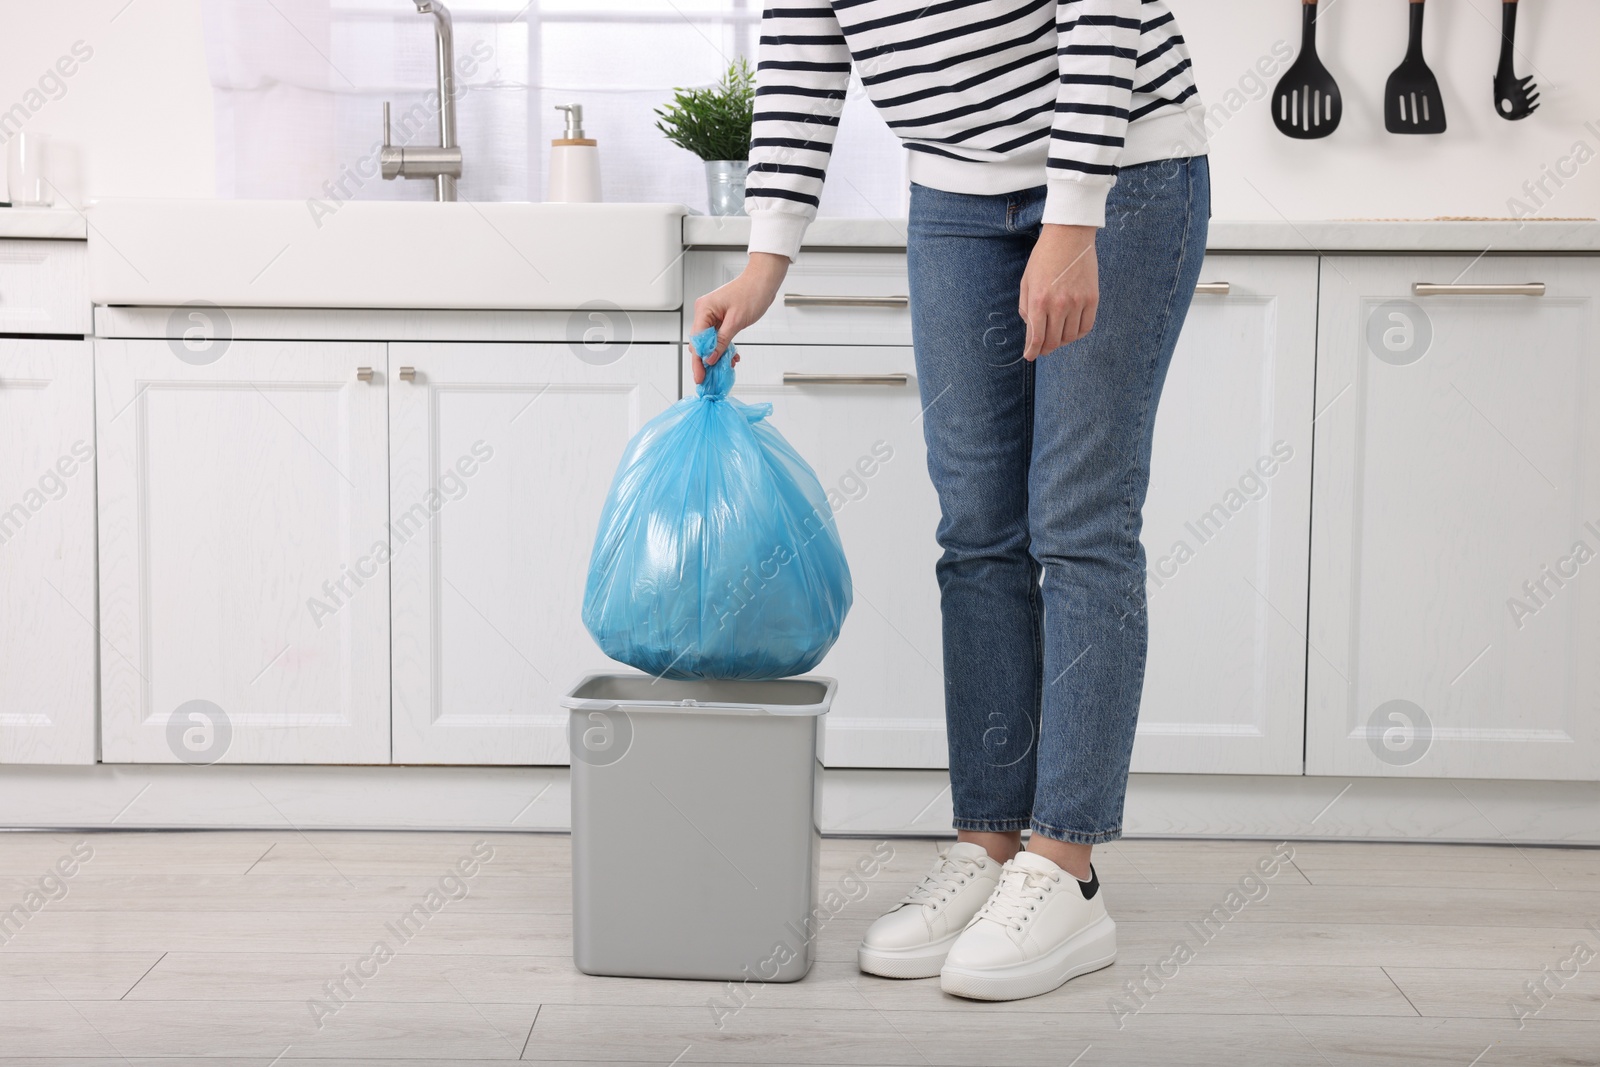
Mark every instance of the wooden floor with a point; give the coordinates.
(216, 947)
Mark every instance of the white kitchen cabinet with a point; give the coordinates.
(502, 457)
(1226, 523)
(1455, 580)
(865, 443)
(47, 594)
(243, 493)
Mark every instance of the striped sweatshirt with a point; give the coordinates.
(989, 96)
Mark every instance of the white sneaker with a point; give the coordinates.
(911, 940)
(1037, 930)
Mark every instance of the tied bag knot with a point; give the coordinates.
(719, 375)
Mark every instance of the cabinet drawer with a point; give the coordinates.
(828, 298)
(44, 287)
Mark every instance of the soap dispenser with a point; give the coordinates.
(574, 163)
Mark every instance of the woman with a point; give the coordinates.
(1059, 203)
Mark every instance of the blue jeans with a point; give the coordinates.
(1041, 470)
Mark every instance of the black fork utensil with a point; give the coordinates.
(1411, 100)
(1306, 103)
(1514, 97)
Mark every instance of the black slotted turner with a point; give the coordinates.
(1412, 102)
(1306, 104)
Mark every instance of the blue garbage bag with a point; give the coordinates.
(717, 554)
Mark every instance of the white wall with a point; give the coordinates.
(1362, 171)
(132, 120)
(135, 120)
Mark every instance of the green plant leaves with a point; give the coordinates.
(713, 122)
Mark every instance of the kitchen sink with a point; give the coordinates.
(385, 254)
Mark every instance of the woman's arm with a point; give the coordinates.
(737, 304)
(1097, 49)
(802, 73)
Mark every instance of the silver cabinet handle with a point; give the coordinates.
(808, 300)
(363, 374)
(791, 378)
(408, 374)
(1454, 289)
(1212, 289)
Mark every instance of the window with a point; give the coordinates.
(299, 87)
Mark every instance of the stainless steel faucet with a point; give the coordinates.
(442, 163)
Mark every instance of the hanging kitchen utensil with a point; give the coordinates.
(1306, 103)
(1411, 101)
(1514, 97)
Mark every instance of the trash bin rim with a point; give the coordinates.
(573, 702)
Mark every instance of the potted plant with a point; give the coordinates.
(714, 123)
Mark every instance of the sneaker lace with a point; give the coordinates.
(939, 884)
(1017, 897)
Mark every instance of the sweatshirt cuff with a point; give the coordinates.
(778, 232)
(1076, 201)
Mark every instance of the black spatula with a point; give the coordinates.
(1514, 98)
(1411, 101)
(1306, 104)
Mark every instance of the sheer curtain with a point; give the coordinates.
(299, 86)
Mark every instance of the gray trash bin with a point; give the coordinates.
(695, 838)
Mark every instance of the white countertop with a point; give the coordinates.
(1406, 235)
(351, 265)
(1328, 235)
(1354, 235)
(42, 222)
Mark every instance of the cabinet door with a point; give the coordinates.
(1455, 586)
(243, 505)
(46, 552)
(865, 443)
(1226, 524)
(502, 457)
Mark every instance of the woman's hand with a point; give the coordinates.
(737, 304)
(1060, 289)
